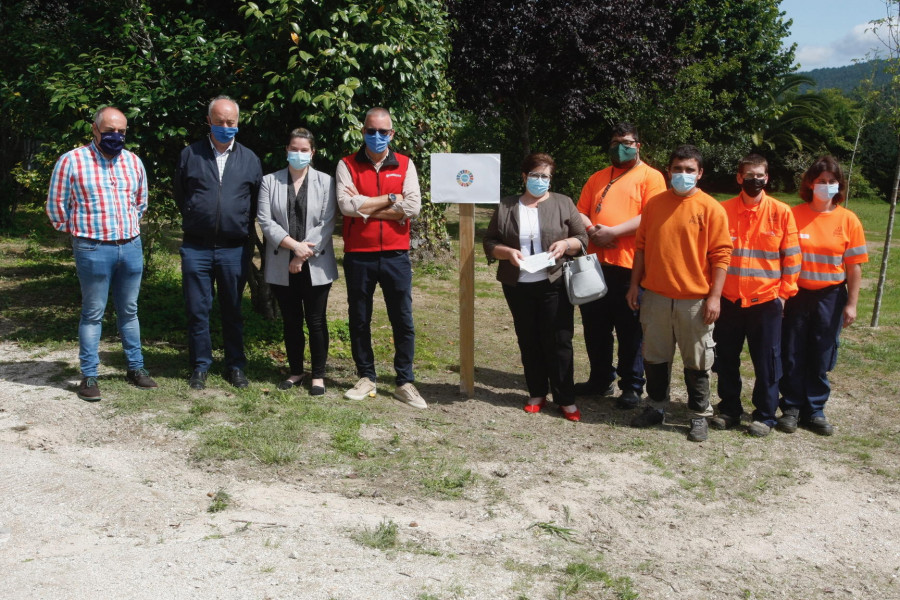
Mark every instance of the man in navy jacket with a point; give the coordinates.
(216, 186)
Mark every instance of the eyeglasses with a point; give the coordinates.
(373, 131)
(541, 176)
(627, 143)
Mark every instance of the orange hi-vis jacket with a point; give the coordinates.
(683, 239)
(828, 242)
(611, 204)
(765, 261)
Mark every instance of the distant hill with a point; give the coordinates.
(846, 78)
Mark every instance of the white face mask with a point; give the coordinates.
(825, 191)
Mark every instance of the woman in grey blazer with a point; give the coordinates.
(296, 213)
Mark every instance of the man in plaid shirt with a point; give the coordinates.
(98, 194)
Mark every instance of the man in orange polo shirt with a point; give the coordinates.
(610, 206)
(682, 250)
(765, 265)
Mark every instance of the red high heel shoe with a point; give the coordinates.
(571, 416)
(536, 408)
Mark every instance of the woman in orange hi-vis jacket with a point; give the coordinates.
(833, 247)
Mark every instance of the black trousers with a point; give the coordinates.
(599, 319)
(299, 299)
(544, 323)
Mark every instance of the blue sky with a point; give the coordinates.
(831, 33)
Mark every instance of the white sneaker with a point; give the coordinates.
(363, 388)
(408, 394)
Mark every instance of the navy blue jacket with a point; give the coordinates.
(217, 213)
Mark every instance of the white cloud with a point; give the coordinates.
(860, 44)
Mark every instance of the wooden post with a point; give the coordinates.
(467, 299)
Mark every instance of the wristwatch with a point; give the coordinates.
(392, 198)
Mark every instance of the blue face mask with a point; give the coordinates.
(826, 191)
(112, 142)
(537, 187)
(377, 143)
(223, 135)
(683, 182)
(299, 160)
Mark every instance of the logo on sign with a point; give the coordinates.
(465, 178)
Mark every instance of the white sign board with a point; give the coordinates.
(465, 178)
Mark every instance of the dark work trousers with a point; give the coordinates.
(203, 270)
(300, 300)
(544, 322)
(599, 319)
(809, 347)
(392, 270)
(760, 325)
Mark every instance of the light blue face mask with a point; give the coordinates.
(683, 182)
(223, 135)
(377, 143)
(537, 187)
(299, 160)
(826, 191)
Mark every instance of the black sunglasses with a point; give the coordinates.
(373, 131)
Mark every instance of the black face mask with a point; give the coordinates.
(752, 187)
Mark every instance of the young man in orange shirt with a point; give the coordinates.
(765, 265)
(682, 252)
(610, 206)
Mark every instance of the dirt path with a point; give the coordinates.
(94, 505)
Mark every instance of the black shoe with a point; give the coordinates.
(722, 421)
(819, 425)
(787, 422)
(140, 378)
(628, 400)
(198, 380)
(758, 429)
(588, 388)
(699, 430)
(236, 377)
(317, 390)
(288, 384)
(88, 390)
(650, 417)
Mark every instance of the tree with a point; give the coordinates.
(568, 61)
(287, 62)
(888, 32)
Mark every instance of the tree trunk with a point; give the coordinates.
(853, 159)
(522, 117)
(882, 275)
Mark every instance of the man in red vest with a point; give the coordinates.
(378, 193)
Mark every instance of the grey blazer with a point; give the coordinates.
(272, 214)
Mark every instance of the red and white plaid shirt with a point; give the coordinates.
(95, 197)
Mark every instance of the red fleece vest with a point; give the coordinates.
(374, 235)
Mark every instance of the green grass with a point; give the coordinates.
(383, 537)
(220, 501)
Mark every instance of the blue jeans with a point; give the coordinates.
(201, 268)
(391, 270)
(101, 267)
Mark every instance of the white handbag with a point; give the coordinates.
(584, 280)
